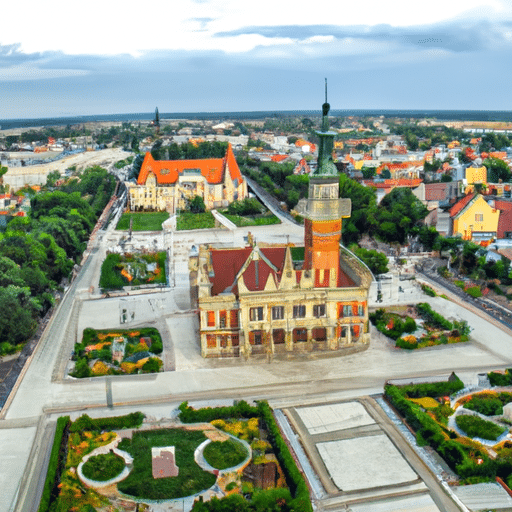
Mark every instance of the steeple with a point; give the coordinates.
(325, 166)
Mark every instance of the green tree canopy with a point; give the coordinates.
(376, 261)
(497, 170)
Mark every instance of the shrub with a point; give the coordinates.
(132, 420)
(474, 291)
(432, 318)
(474, 426)
(241, 410)
(500, 379)
(427, 290)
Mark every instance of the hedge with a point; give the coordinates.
(500, 379)
(55, 465)
(241, 410)
(294, 478)
(132, 420)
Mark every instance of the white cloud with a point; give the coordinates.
(113, 27)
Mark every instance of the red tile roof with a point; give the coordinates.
(504, 222)
(436, 191)
(390, 183)
(459, 206)
(168, 171)
(502, 205)
(278, 158)
(227, 263)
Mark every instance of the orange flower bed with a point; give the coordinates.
(126, 274)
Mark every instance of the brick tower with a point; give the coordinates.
(323, 211)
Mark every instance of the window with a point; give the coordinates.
(234, 318)
(300, 335)
(278, 336)
(235, 340)
(360, 310)
(479, 217)
(319, 334)
(211, 341)
(211, 319)
(299, 311)
(223, 341)
(277, 312)
(255, 337)
(347, 310)
(319, 310)
(222, 319)
(256, 314)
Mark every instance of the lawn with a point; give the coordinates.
(191, 478)
(103, 467)
(225, 454)
(148, 221)
(258, 220)
(188, 220)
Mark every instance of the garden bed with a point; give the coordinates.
(133, 269)
(242, 486)
(117, 352)
(435, 329)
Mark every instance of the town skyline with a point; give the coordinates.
(213, 56)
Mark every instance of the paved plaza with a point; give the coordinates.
(349, 446)
(365, 463)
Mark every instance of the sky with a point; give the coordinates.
(105, 57)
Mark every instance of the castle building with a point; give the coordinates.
(270, 299)
(170, 184)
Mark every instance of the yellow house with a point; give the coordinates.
(476, 175)
(473, 219)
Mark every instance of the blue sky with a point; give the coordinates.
(70, 58)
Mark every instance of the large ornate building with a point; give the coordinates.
(266, 299)
(170, 184)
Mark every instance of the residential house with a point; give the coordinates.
(474, 219)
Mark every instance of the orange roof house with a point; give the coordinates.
(171, 184)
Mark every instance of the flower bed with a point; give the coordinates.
(115, 353)
(118, 271)
(400, 328)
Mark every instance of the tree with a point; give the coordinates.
(397, 214)
(52, 178)
(156, 122)
(376, 261)
(197, 205)
(497, 170)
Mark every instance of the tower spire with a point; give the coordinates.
(326, 90)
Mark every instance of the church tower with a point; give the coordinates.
(323, 211)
